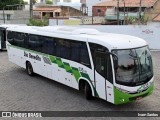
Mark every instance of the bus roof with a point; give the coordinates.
(10, 25)
(109, 40)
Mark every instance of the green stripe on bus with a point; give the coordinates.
(76, 73)
(88, 78)
(85, 75)
(67, 67)
(59, 62)
(53, 59)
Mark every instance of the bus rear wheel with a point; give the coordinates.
(88, 91)
(29, 69)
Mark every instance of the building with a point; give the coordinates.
(16, 14)
(55, 12)
(74, 4)
(125, 8)
(152, 13)
(90, 3)
(84, 5)
(156, 18)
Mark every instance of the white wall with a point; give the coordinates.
(150, 32)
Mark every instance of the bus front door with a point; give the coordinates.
(100, 70)
(103, 76)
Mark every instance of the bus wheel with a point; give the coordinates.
(88, 91)
(29, 69)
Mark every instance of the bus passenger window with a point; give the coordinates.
(63, 49)
(75, 51)
(19, 39)
(48, 45)
(84, 56)
(10, 37)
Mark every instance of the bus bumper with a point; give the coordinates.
(121, 98)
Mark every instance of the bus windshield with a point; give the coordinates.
(134, 66)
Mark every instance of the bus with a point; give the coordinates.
(2, 37)
(3, 28)
(114, 67)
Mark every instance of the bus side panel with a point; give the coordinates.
(16, 56)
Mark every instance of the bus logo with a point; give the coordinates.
(143, 87)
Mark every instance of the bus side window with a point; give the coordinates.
(34, 43)
(75, 51)
(19, 39)
(63, 48)
(84, 55)
(10, 37)
(48, 45)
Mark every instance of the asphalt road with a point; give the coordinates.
(20, 92)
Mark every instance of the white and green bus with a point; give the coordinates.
(3, 28)
(2, 37)
(114, 67)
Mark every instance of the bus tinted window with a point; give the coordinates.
(63, 48)
(84, 56)
(19, 39)
(75, 51)
(35, 43)
(96, 47)
(10, 37)
(109, 69)
(48, 46)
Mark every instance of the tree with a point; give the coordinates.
(41, 22)
(35, 1)
(49, 2)
(3, 3)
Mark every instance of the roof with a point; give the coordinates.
(46, 9)
(110, 40)
(128, 3)
(157, 18)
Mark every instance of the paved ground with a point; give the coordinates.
(20, 92)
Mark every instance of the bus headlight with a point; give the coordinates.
(122, 90)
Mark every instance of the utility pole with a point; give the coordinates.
(140, 10)
(4, 15)
(31, 8)
(117, 12)
(92, 16)
(124, 12)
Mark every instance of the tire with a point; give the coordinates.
(29, 69)
(88, 91)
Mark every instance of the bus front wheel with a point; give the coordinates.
(29, 69)
(88, 91)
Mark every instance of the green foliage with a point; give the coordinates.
(3, 3)
(35, 1)
(144, 19)
(49, 2)
(132, 20)
(37, 22)
(26, 3)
